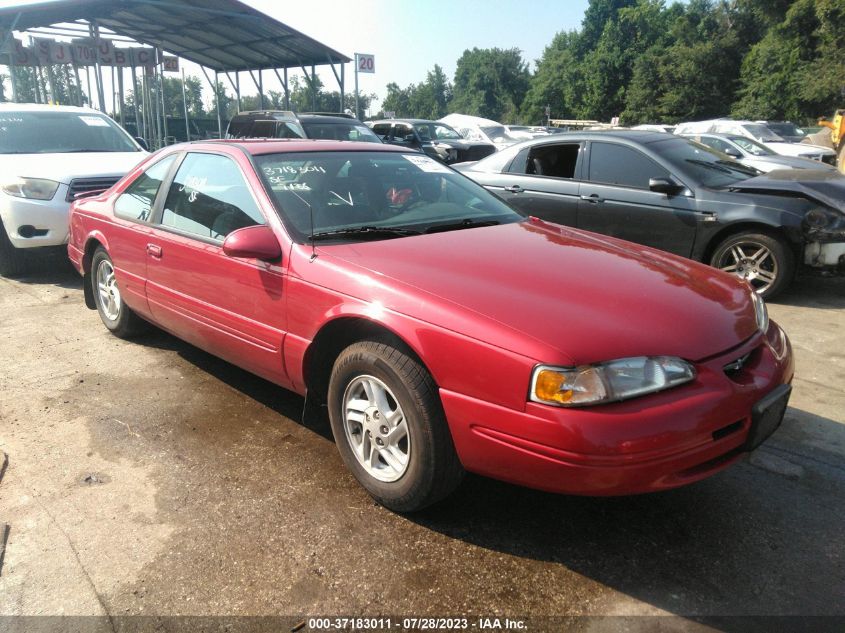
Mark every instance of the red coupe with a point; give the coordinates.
(444, 332)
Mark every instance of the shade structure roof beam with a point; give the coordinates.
(224, 35)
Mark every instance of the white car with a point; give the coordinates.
(476, 128)
(49, 156)
(759, 132)
(749, 152)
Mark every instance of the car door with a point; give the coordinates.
(543, 181)
(231, 307)
(616, 200)
(129, 234)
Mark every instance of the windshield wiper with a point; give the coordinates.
(364, 231)
(466, 223)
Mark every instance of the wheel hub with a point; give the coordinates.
(376, 429)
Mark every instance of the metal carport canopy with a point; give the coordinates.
(224, 35)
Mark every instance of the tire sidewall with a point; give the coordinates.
(358, 362)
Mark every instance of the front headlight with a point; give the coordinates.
(608, 382)
(32, 188)
(760, 312)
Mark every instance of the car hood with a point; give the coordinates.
(797, 149)
(787, 162)
(554, 294)
(67, 166)
(460, 143)
(826, 187)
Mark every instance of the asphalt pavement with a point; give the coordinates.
(149, 478)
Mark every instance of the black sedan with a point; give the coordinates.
(679, 196)
(434, 138)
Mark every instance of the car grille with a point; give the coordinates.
(81, 187)
(735, 367)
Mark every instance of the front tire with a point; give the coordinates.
(114, 313)
(13, 261)
(764, 261)
(389, 426)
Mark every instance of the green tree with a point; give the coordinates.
(490, 83)
(557, 82)
(795, 71)
(398, 100)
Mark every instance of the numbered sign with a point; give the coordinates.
(170, 64)
(365, 63)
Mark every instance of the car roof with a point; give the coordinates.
(42, 107)
(327, 118)
(258, 147)
(411, 121)
(639, 136)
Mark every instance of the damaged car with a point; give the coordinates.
(680, 196)
(438, 140)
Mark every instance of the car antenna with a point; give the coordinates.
(311, 216)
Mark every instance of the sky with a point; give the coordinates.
(408, 37)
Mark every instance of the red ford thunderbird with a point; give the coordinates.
(444, 332)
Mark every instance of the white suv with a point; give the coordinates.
(49, 156)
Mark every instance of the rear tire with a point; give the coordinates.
(765, 261)
(114, 313)
(13, 261)
(378, 394)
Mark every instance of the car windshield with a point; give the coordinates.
(497, 133)
(367, 195)
(786, 128)
(60, 133)
(436, 131)
(352, 131)
(705, 165)
(762, 133)
(751, 146)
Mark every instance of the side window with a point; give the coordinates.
(401, 130)
(209, 198)
(382, 129)
(555, 161)
(715, 143)
(136, 202)
(620, 165)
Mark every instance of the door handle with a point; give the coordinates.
(154, 250)
(594, 198)
(514, 189)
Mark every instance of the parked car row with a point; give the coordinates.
(537, 317)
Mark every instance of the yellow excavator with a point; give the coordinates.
(837, 136)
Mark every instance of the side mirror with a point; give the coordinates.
(410, 138)
(142, 143)
(664, 185)
(733, 152)
(253, 242)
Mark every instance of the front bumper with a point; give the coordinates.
(34, 223)
(647, 444)
(828, 257)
